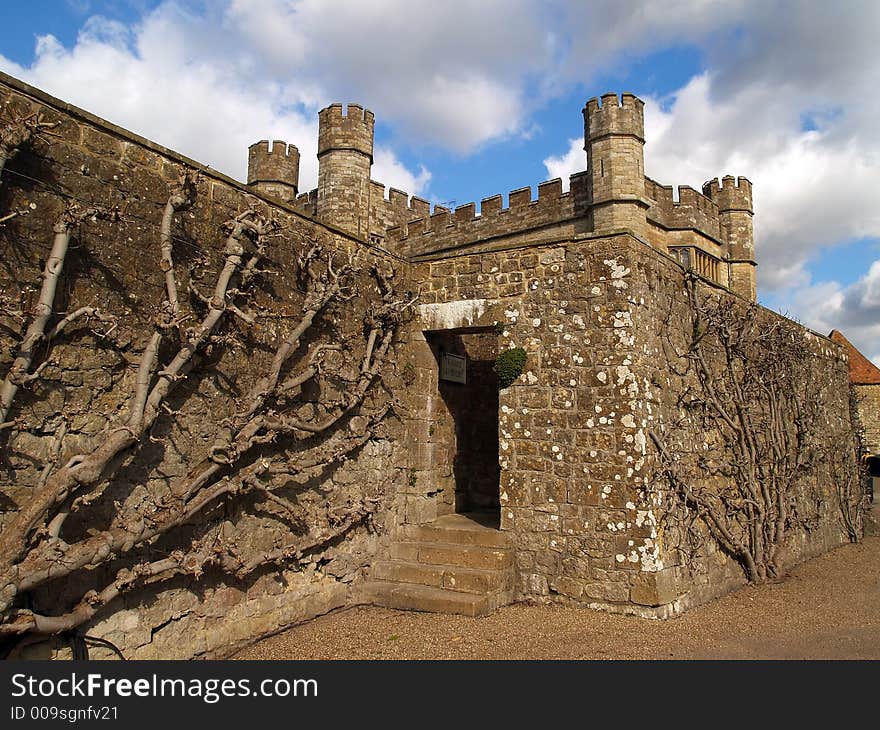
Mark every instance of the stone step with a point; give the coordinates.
(411, 597)
(478, 536)
(459, 556)
(464, 580)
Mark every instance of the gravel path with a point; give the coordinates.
(827, 608)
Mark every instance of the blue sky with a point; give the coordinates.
(478, 98)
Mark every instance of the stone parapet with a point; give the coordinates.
(349, 130)
(446, 229)
(274, 170)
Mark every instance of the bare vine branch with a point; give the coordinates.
(275, 435)
(744, 454)
(19, 132)
(69, 220)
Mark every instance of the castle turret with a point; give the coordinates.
(345, 155)
(274, 170)
(614, 138)
(734, 200)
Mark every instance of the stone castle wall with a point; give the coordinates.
(395, 210)
(692, 211)
(570, 450)
(693, 219)
(274, 170)
(576, 458)
(115, 266)
(868, 404)
(663, 326)
(611, 196)
(551, 214)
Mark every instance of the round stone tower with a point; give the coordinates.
(274, 170)
(734, 200)
(614, 139)
(345, 155)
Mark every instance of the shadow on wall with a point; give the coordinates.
(474, 409)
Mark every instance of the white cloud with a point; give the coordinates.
(389, 170)
(567, 163)
(852, 309)
(811, 187)
(786, 96)
(606, 34)
(171, 80)
(453, 74)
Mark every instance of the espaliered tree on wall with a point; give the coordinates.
(37, 333)
(313, 402)
(746, 459)
(19, 132)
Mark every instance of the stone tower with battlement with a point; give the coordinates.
(734, 200)
(709, 232)
(345, 155)
(274, 170)
(614, 139)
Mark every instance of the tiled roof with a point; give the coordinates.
(861, 370)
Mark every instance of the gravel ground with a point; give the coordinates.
(827, 608)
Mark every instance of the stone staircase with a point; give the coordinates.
(460, 563)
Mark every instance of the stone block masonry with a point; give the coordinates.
(551, 214)
(578, 468)
(868, 397)
(274, 170)
(573, 450)
(345, 154)
(115, 266)
(591, 282)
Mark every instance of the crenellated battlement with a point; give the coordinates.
(607, 115)
(614, 140)
(278, 148)
(351, 114)
(308, 202)
(399, 201)
(394, 210)
(733, 196)
(349, 130)
(345, 155)
(611, 196)
(692, 210)
(722, 214)
(274, 169)
(446, 228)
(730, 193)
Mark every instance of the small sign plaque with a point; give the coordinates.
(453, 368)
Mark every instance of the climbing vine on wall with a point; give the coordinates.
(745, 457)
(308, 403)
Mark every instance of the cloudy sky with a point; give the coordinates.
(478, 97)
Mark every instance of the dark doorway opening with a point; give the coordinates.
(473, 406)
(873, 465)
